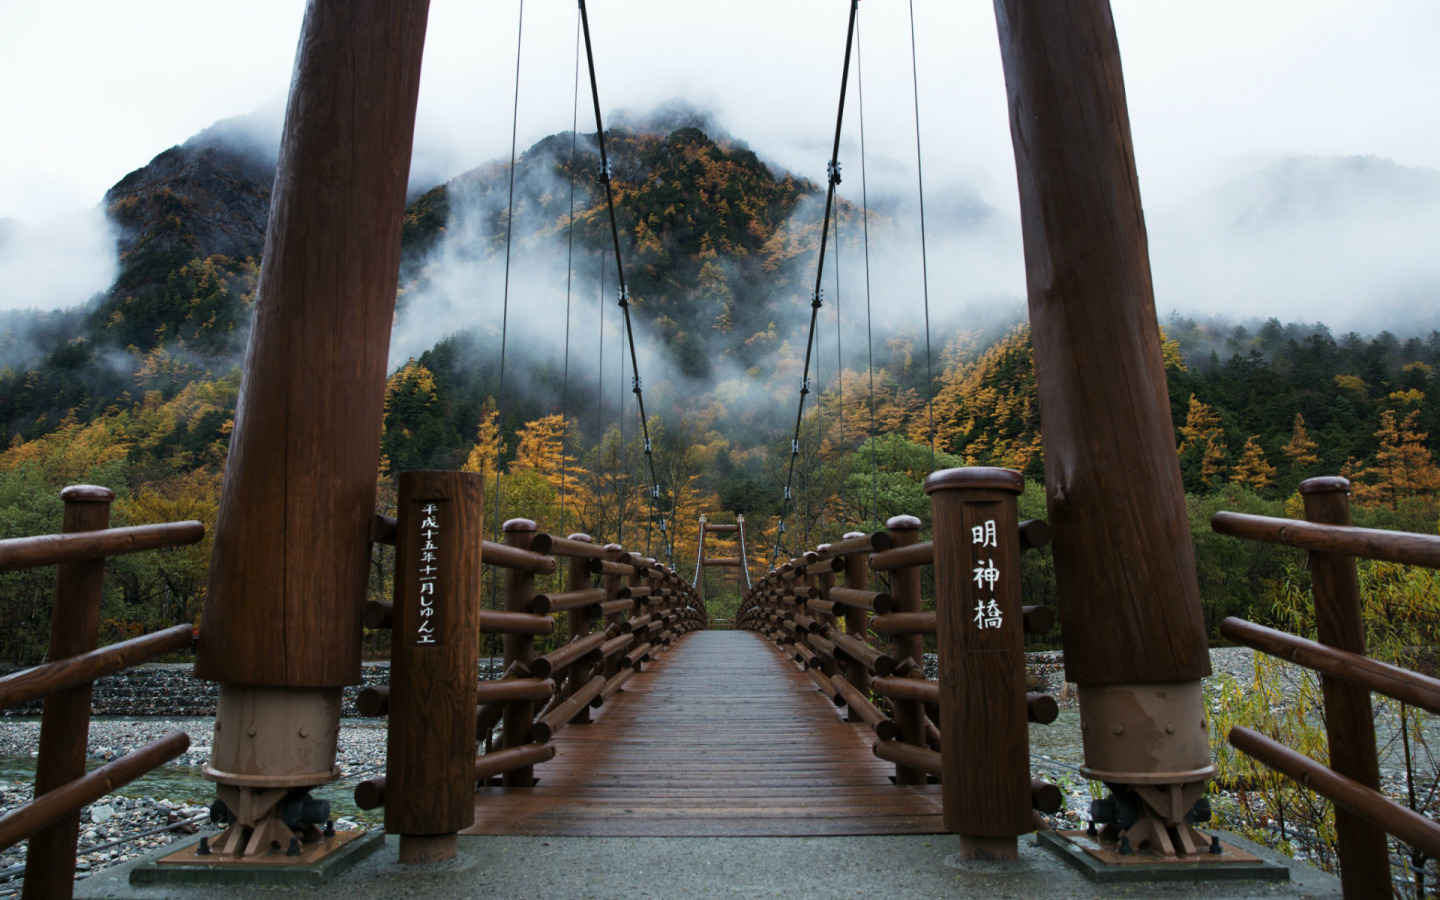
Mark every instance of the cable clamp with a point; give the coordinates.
(817, 299)
(805, 386)
(788, 495)
(781, 529)
(635, 389)
(623, 295)
(795, 447)
(662, 526)
(604, 174)
(647, 446)
(832, 170)
(655, 491)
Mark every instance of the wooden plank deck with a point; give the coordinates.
(722, 736)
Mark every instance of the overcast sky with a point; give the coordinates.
(95, 88)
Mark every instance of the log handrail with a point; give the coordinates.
(49, 808)
(1370, 805)
(1392, 681)
(1369, 543)
(552, 545)
(561, 659)
(53, 549)
(921, 554)
(871, 601)
(62, 787)
(499, 621)
(32, 684)
(1363, 814)
(560, 601)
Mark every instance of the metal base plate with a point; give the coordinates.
(1101, 863)
(316, 864)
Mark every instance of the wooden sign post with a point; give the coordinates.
(434, 657)
(985, 757)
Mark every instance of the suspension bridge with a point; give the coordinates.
(814, 717)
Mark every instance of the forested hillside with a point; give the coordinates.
(136, 388)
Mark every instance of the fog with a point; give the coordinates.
(1348, 241)
(56, 263)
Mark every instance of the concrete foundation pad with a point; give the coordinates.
(317, 864)
(817, 868)
(1239, 860)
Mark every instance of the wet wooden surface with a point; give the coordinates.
(722, 736)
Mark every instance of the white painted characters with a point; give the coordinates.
(429, 557)
(986, 575)
(984, 535)
(987, 612)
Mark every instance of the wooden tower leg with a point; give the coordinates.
(288, 576)
(1130, 611)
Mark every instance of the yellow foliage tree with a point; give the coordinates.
(540, 447)
(1202, 430)
(1403, 466)
(1200, 422)
(988, 411)
(1170, 350)
(1252, 469)
(485, 455)
(1301, 450)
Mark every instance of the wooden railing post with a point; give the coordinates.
(909, 715)
(578, 579)
(825, 580)
(1349, 721)
(519, 648)
(980, 629)
(612, 586)
(857, 625)
(435, 653)
(65, 722)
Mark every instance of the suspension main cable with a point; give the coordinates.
(924, 265)
(623, 290)
(840, 360)
(869, 332)
(509, 230)
(816, 298)
(569, 273)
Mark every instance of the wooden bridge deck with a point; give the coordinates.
(722, 737)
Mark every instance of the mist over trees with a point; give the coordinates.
(136, 389)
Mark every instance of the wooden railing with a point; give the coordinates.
(643, 608)
(978, 621)
(51, 821)
(1363, 815)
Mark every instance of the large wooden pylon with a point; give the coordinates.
(1130, 602)
(288, 575)
(1130, 613)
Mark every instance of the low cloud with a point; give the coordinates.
(1348, 241)
(57, 263)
